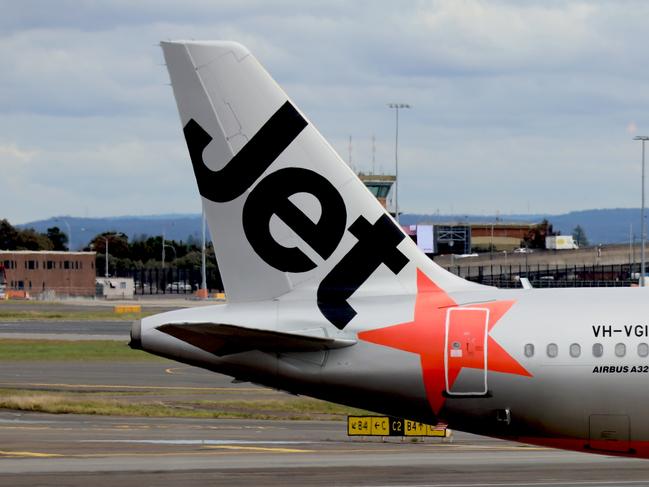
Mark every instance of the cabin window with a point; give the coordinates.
(529, 350)
(620, 349)
(553, 350)
(575, 350)
(598, 350)
(643, 349)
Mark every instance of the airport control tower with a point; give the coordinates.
(380, 185)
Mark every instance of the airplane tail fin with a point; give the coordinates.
(285, 212)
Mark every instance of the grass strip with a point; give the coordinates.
(50, 315)
(82, 403)
(67, 350)
(301, 405)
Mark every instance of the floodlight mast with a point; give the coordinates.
(397, 107)
(643, 138)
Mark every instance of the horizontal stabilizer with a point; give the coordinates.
(525, 282)
(221, 339)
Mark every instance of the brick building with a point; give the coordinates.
(503, 236)
(38, 272)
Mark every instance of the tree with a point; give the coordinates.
(58, 238)
(30, 239)
(8, 235)
(117, 244)
(579, 236)
(117, 248)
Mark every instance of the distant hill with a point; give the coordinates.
(175, 227)
(601, 226)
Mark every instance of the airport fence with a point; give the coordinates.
(172, 280)
(540, 275)
(187, 281)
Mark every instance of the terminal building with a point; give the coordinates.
(465, 238)
(43, 273)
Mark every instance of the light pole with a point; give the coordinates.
(106, 271)
(397, 107)
(203, 265)
(164, 244)
(643, 138)
(491, 244)
(174, 249)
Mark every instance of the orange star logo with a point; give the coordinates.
(427, 336)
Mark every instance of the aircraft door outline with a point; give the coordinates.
(461, 350)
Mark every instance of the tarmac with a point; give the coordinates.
(55, 450)
(66, 330)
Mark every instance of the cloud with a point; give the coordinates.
(10, 153)
(512, 101)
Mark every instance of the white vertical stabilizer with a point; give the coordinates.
(284, 210)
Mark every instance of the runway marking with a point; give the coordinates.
(490, 447)
(114, 386)
(205, 442)
(118, 455)
(435, 446)
(29, 454)
(150, 454)
(178, 370)
(259, 449)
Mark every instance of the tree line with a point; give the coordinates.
(12, 238)
(142, 252)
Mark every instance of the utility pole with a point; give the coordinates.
(351, 165)
(631, 246)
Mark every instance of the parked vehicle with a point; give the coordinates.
(560, 242)
(523, 250)
(178, 286)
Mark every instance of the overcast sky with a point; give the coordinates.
(516, 106)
